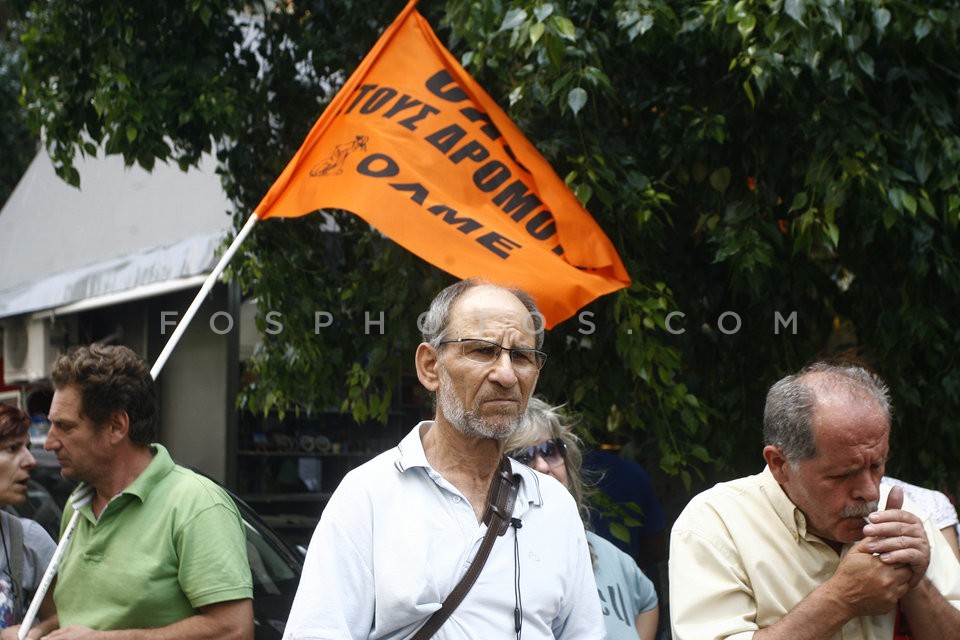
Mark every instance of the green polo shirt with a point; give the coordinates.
(170, 543)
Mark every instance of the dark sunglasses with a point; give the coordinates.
(552, 451)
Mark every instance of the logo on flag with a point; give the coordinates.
(333, 165)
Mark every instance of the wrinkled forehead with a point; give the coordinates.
(489, 311)
(847, 426)
(67, 404)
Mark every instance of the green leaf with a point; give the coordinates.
(837, 69)
(922, 167)
(513, 19)
(720, 179)
(795, 9)
(833, 234)
(909, 203)
(644, 25)
(748, 90)
(889, 218)
(939, 16)
(536, 32)
(71, 176)
(619, 531)
(564, 27)
(576, 99)
(953, 211)
(881, 18)
(543, 11)
(865, 62)
(799, 201)
(597, 77)
(700, 453)
(833, 19)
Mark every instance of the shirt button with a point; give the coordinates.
(455, 499)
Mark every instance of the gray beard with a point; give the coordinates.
(468, 422)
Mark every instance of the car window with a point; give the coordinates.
(267, 565)
(41, 507)
(274, 565)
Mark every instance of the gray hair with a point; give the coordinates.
(788, 414)
(434, 323)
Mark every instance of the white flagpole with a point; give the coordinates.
(154, 372)
(198, 300)
(51, 571)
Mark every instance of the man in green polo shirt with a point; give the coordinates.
(158, 551)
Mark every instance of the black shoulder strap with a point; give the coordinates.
(15, 527)
(500, 502)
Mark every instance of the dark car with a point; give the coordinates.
(274, 564)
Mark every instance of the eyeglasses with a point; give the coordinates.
(552, 451)
(486, 352)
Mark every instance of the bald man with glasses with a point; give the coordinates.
(401, 531)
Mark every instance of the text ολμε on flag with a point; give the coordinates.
(414, 146)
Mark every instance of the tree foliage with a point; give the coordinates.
(781, 173)
(18, 143)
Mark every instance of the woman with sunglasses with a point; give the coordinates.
(545, 442)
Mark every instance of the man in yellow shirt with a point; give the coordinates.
(801, 551)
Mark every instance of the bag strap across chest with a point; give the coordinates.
(500, 502)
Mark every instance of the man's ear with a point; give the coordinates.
(777, 462)
(427, 361)
(118, 426)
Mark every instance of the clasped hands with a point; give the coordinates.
(890, 561)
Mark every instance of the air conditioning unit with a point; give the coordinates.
(12, 398)
(31, 344)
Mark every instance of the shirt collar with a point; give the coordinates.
(160, 466)
(529, 494)
(791, 516)
(411, 449)
(140, 488)
(412, 456)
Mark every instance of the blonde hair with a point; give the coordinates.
(540, 422)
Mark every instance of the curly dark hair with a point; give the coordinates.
(111, 378)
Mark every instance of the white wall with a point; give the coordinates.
(193, 390)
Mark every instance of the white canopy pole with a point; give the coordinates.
(198, 300)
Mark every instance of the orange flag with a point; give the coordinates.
(414, 146)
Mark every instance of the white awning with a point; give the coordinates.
(125, 234)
